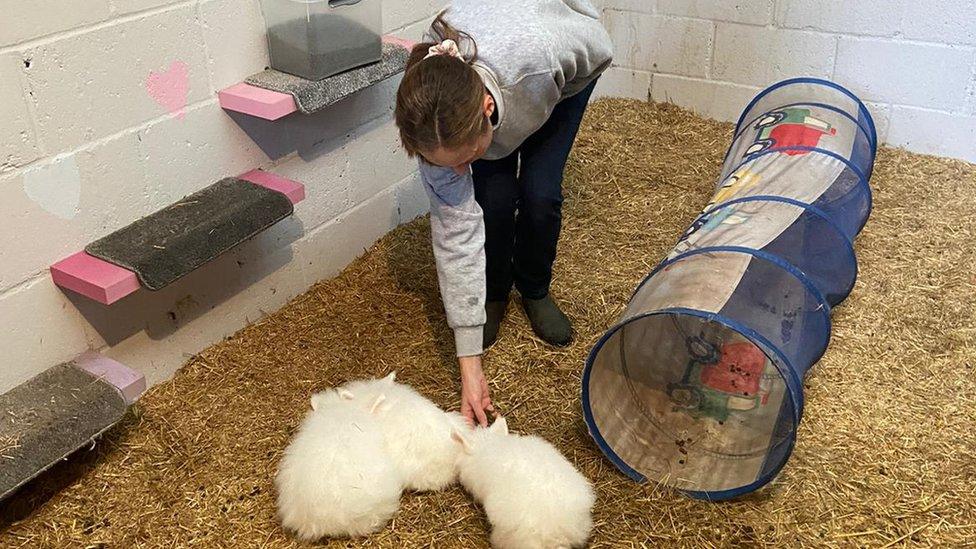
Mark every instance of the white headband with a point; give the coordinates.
(447, 47)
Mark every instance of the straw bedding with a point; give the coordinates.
(886, 454)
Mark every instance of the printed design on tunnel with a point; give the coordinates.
(789, 127)
(718, 381)
(736, 183)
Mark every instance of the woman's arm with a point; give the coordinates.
(457, 233)
(458, 238)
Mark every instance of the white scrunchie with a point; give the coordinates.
(447, 47)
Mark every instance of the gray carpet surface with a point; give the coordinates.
(168, 244)
(48, 418)
(312, 96)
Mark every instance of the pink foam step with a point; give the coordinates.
(294, 190)
(255, 101)
(94, 278)
(403, 42)
(129, 382)
(107, 283)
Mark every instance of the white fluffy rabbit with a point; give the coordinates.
(336, 478)
(533, 496)
(417, 432)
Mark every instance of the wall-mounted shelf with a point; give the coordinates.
(59, 411)
(164, 246)
(272, 94)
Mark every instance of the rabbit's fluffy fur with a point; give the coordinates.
(533, 496)
(336, 478)
(363, 443)
(417, 432)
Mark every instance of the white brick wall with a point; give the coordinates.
(754, 12)
(92, 84)
(656, 43)
(23, 21)
(234, 34)
(913, 63)
(18, 141)
(752, 55)
(904, 73)
(86, 150)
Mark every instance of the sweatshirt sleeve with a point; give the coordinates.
(581, 48)
(457, 232)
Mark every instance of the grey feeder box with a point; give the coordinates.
(315, 39)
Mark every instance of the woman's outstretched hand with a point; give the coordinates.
(474, 391)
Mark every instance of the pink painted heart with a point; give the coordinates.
(170, 88)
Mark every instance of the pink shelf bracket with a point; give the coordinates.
(94, 278)
(404, 42)
(255, 101)
(128, 381)
(294, 190)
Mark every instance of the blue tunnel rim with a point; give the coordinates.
(739, 132)
(793, 383)
(852, 256)
(862, 180)
(824, 307)
(785, 200)
(761, 254)
(862, 177)
(772, 258)
(820, 81)
(738, 326)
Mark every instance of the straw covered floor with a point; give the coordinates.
(886, 454)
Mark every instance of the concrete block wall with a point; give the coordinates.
(109, 111)
(913, 62)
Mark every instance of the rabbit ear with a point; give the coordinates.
(462, 440)
(378, 404)
(390, 378)
(500, 425)
(344, 394)
(316, 400)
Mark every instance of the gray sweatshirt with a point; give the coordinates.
(531, 55)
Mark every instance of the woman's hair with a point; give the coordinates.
(440, 102)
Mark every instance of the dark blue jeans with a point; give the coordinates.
(522, 196)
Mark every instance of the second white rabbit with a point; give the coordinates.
(533, 496)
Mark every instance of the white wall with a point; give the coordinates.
(85, 150)
(913, 62)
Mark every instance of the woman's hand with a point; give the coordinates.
(474, 391)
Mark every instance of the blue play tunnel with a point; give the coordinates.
(699, 386)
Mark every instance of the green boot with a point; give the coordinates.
(548, 322)
(495, 311)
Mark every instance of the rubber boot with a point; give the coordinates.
(548, 322)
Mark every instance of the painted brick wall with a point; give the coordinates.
(913, 62)
(85, 149)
